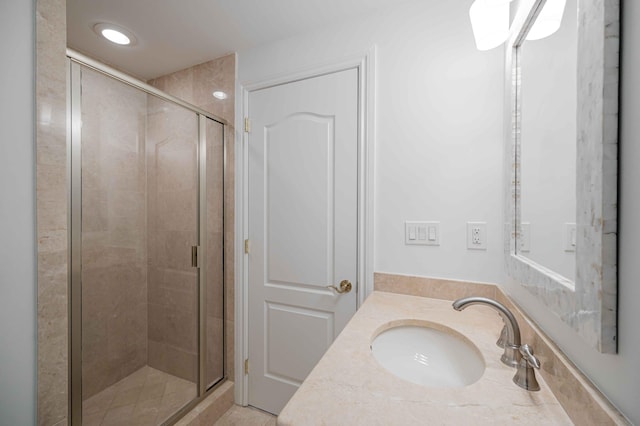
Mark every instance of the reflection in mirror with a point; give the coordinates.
(561, 121)
(547, 171)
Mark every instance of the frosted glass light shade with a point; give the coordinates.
(548, 21)
(490, 22)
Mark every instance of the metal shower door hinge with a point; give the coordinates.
(246, 366)
(247, 246)
(247, 125)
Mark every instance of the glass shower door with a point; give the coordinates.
(173, 286)
(138, 187)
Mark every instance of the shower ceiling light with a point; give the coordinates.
(115, 34)
(219, 95)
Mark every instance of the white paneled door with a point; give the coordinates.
(303, 221)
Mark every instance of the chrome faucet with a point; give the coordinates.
(515, 353)
(511, 355)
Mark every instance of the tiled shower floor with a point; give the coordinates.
(145, 397)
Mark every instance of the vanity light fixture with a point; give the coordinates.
(548, 21)
(220, 95)
(490, 22)
(115, 34)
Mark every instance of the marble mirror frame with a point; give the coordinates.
(589, 304)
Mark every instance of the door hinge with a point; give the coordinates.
(246, 366)
(247, 246)
(247, 125)
(194, 256)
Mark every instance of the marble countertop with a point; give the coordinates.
(349, 387)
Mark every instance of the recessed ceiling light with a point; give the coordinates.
(115, 34)
(219, 95)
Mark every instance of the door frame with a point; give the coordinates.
(365, 64)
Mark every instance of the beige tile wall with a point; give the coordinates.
(195, 85)
(51, 205)
(435, 288)
(114, 250)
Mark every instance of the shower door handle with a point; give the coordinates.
(194, 257)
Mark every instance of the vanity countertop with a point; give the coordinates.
(349, 387)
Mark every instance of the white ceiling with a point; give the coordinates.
(176, 34)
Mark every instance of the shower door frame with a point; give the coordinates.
(75, 61)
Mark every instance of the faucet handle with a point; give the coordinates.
(525, 375)
(527, 353)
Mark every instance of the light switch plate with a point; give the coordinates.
(422, 233)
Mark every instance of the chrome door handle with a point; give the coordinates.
(345, 287)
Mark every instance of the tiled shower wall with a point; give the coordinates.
(195, 85)
(114, 232)
(51, 205)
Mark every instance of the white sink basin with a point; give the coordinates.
(429, 357)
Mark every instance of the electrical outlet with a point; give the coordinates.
(477, 235)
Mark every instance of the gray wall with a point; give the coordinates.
(17, 214)
(617, 376)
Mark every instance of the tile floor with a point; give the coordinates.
(145, 397)
(246, 416)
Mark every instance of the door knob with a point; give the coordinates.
(345, 287)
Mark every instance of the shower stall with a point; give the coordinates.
(147, 250)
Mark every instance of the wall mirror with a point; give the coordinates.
(561, 145)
